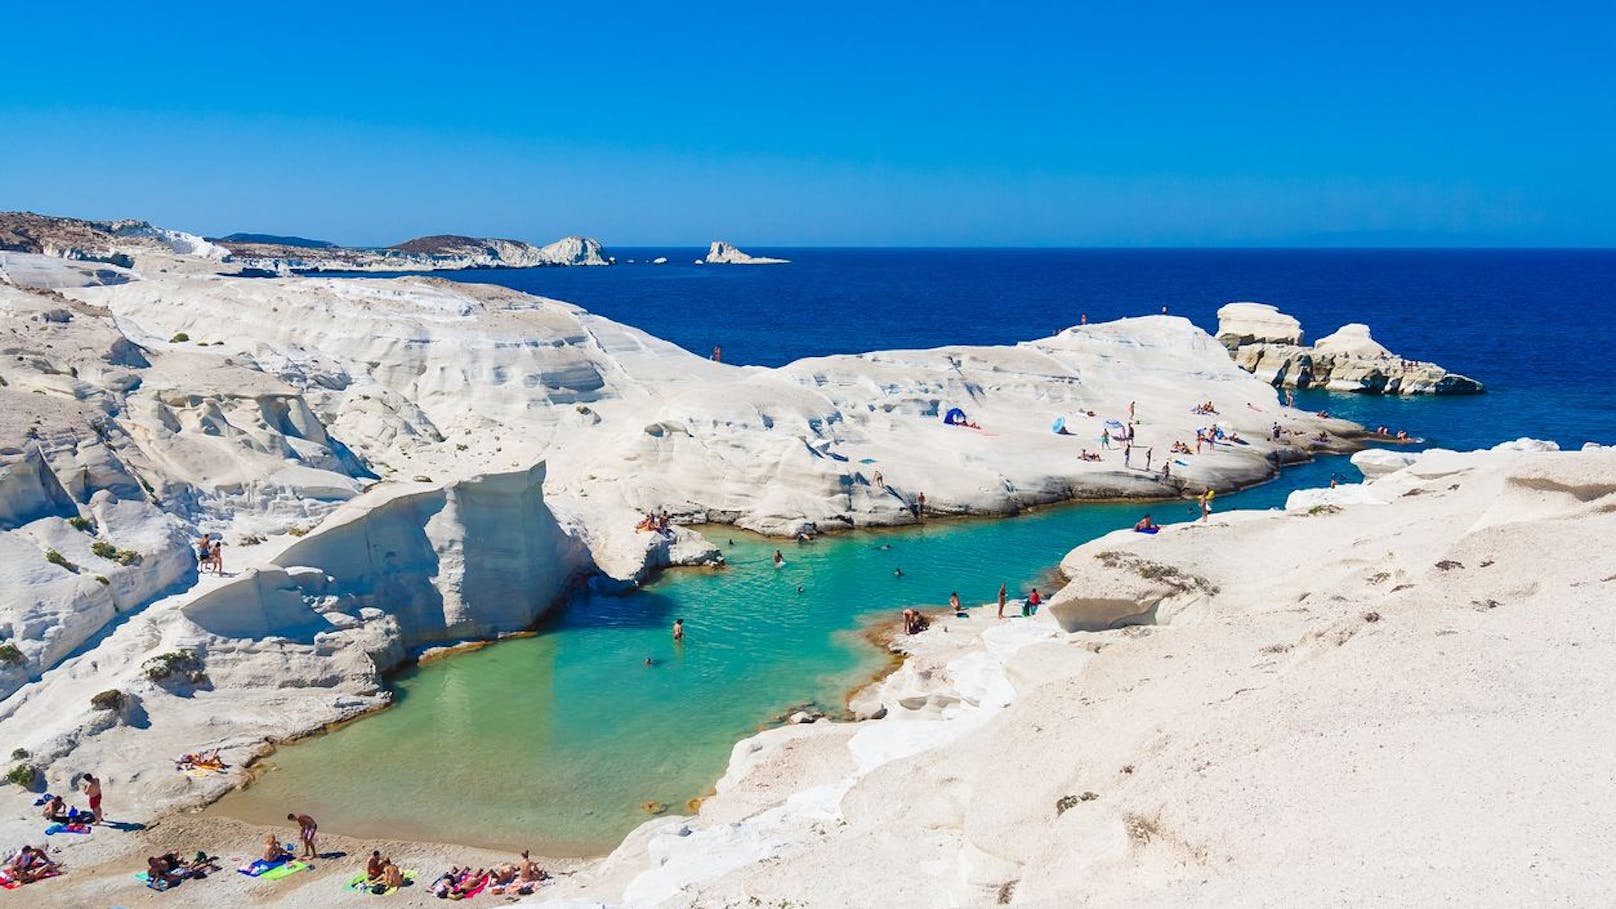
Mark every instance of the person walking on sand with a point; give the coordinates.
(678, 629)
(216, 556)
(92, 791)
(306, 828)
(1001, 600)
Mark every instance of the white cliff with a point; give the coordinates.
(1268, 344)
(721, 253)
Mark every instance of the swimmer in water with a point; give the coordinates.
(897, 572)
(650, 662)
(678, 629)
(799, 588)
(779, 558)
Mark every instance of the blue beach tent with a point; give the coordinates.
(954, 417)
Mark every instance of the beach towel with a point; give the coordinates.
(54, 829)
(43, 799)
(285, 870)
(473, 891)
(159, 886)
(259, 867)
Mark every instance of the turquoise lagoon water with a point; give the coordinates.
(556, 742)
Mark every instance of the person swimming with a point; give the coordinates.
(779, 558)
(678, 629)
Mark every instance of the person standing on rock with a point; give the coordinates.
(92, 791)
(1127, 454)
(1149, 453)
(306, 828)
(954, 602)
(718, 354)
(1001, 600)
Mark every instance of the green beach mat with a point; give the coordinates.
(286, 870)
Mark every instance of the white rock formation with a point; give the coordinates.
(441, 253)
(1240, 324)
(1301, 713)
(385, 436)
(1268, 344)
(721, 253)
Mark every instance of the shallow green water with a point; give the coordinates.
(556, 741)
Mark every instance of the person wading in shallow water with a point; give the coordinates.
(678, 629)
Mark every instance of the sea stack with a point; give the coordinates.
(721, 253)
(1268, 344)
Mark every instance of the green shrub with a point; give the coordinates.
(56, 558)
(102, 580)
(20, 754)
(10, 654)
(128, 557)
(111, 699)
(104, 549)
(79, 523)
(23, 775)
(298, 531)
(180, 337)
(174, 662)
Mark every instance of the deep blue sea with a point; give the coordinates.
(1531, 324)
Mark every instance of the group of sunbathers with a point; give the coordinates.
(1206, 408)
(460, 883)
(382, 873)
(654, 522)
(164, 871)
(29, 864)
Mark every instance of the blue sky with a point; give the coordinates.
(1117, 123)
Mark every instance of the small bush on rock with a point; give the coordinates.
(111, 699)
(78, 523)
(22, 775)
(56, 558)
(128, 557)
(9, 654)
(20, 754)
(102, 580)
(176, 662)
(180, 337)
(104, 549)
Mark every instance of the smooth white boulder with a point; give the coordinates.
(1256, 323)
